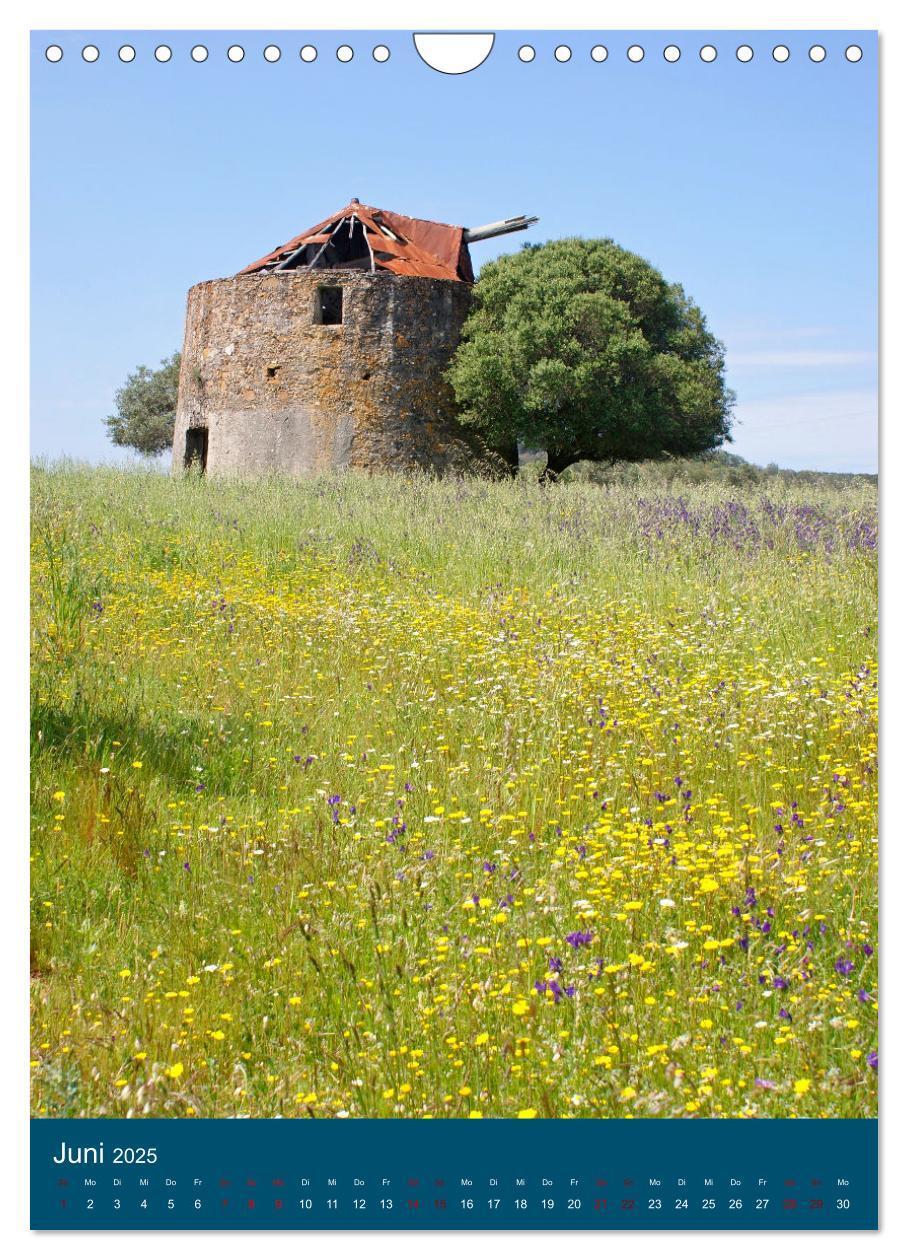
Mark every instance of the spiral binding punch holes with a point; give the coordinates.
(457, 53)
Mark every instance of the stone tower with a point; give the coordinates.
(329, 352)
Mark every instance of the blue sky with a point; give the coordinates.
(752, 185)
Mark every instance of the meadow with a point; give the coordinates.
(379, 797)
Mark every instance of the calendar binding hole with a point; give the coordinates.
(453, 52)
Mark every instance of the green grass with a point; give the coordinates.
(372, 796)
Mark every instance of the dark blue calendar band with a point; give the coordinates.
(454, 1174)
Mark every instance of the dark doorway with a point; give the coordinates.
(196, 454)
(329, 307)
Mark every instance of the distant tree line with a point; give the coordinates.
(719, 468)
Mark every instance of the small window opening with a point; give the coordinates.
(272, 370)
(196, 453)
(329, 308)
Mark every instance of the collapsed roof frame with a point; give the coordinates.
(290, 262)
(391, 242)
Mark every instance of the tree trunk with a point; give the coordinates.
(559, 460)
(511, 454)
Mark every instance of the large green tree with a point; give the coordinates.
(146, 408)
(583, 349)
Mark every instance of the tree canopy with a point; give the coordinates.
(584, 349)
(146, 408)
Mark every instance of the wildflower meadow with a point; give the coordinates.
(371, 796)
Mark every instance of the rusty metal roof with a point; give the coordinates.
(386, 241)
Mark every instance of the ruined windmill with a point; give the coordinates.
(329, 351)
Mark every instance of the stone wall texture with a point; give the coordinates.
(280, 392)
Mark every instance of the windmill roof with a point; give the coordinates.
(394, 242)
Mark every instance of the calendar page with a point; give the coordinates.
(454, 630)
